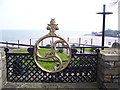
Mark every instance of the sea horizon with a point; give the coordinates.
(78, 37)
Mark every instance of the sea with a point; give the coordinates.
(72, 36)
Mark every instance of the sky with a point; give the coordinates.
(69, 14)
(119, 16)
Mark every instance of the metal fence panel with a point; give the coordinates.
(21, 67)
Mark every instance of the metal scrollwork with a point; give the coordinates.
(52, 54)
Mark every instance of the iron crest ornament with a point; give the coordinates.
(52, 55)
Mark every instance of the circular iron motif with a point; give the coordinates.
(52, 61)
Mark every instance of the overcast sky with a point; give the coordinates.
(69, 14)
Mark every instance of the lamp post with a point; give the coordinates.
(103, 29)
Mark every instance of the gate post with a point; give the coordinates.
(2, 68)
(108, 70)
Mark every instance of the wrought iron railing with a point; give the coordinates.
(22, 68)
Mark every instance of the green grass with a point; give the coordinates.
(50, 65)
(63, 56)
(42, 52)
(20, 50)
(90, 49)
(87, 49)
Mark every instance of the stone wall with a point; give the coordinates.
(108, 70)
(2, 68)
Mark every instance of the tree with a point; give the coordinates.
(115, 2)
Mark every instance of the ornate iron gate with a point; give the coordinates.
(22, 68)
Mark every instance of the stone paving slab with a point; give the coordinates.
(48, 86)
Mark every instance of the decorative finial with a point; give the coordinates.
(52, 26)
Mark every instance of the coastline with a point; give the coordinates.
(87, 40)
(73, 37)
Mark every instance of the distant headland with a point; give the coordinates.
(109, 33)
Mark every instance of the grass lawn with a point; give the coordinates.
(46, 65)
(50, 65)
(90, 49)
(19, 51)
(43, 51)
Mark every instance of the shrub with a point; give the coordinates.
(92, 49)
(60, 50)
(73, 45)
(48, 45)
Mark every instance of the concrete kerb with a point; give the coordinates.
(52, 85)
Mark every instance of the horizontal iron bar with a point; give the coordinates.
(52, 61)
(79, 47)
(18, 54)
(82, 54)
(88, 46)
(15, 44)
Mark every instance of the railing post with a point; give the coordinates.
(80, 50)
(6, 55)
(30, 50)
(18, 43)
(68, 39)
(91, 41)
(30, 42)
(97, 51)
(83, 50)
(6, 50)
(6, 44)
(79, 41)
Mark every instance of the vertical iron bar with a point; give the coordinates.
(18, 43)
(6, 51)
(91, 41)
(79, 41)
(6, 44)
(83, 50)
(80, 50)
(68, 39)
(30, 42)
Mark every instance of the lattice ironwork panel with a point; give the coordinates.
(22, 68)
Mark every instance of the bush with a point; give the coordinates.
(48, 45)
(60, 50)
(73, 45)
(92, 49)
